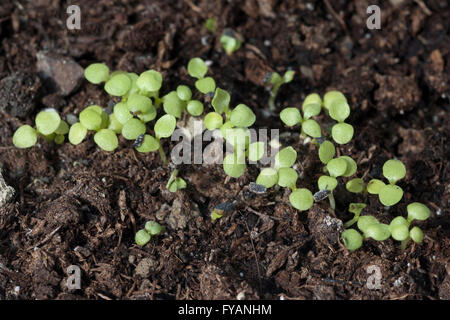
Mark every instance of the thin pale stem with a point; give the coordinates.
(172, 178)
(273, 96)
(351, 222)
(404, 244)
(332, 201)
(162, 154)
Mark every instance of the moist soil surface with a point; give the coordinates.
(78, 205)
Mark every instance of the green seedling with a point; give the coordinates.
(47, 121)
(276, 80)
(356, 209)
(268, 177)
(287, 178)
(184, 93)
(216, 214)
(175, 183)
(256, 151)
(312, 105)
(416, 235)
(205, 85)
(210, 25)
(114, 124)
(221, 209)
(343, 166)
(328, 184)
(285, 158)
(77, 133)
(389, 194)
(197, 68)
(164, 128)
(342, 133)
(239, 138)
(118, 85)
(336, 105)
(355, 185)
(195, 108)
(25, 137)
(97, 73)
(234, 164)
(230, 42)
(138, 106)
(242, 116)
(153, 228)
(148, 144)
(133, 128)
(49, 125)
(352, 239)
(149, 82)
(292, 117)
(378, 232)
(400, 227)
(93, 118)
(143, 236)
(106, 139)
(221, 101)
(301, 199)
(327, 151)
(173, 105)
(213, 120)
(370, 228)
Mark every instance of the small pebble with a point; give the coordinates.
(257, 188)
(71, 119)
(321, 195)
(226, 206)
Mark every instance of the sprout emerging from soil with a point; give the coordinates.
(370, 228)
(335, 105)
(276, 80)
(230, 42)
(137, 119)
(143, 236)
(286, 177)
(221, 209)
(352, 239)
(49, 125)
(389, 194)
(210, 25)
(175, 183)
(398, 229)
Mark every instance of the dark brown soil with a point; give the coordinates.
(77, 205)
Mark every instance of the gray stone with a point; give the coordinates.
(145, 267)
(60, 74)
(6, 192)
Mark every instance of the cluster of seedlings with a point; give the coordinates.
(399, 228)
(144, 116)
